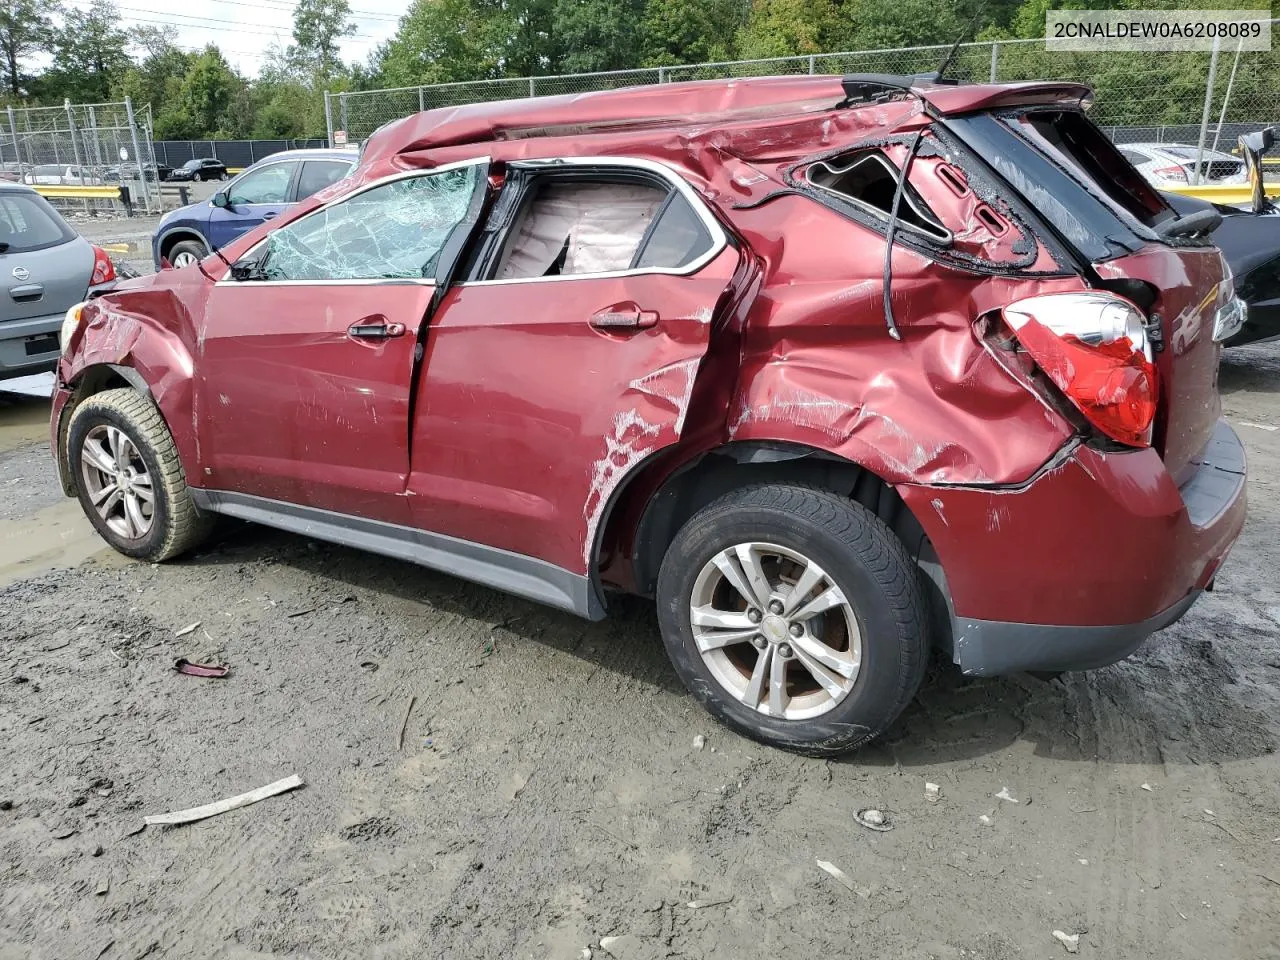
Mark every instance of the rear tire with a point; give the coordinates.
(129, 479)
(840, 661)
(186, 253)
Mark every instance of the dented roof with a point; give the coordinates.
(688, 106)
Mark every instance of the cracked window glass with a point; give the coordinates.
(392, 232)
(268, 185)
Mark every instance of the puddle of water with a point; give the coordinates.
(57, 536)
(23, 420)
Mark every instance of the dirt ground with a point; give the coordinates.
(549, 793)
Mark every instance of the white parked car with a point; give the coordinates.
(1173, 164)
(60, 174)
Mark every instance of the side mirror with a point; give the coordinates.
(220, 199)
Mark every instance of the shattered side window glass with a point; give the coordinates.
(392, 232)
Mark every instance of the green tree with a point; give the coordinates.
(25, 29)
(318, 26)
(204, 101)
(785, 28)
(690, 31)
(157, 78)
(597, 34)
(441, 41)
(88, 54)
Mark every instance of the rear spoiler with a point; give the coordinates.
(952, 97)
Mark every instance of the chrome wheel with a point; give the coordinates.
(117, 482)
(183, 259)
(775, 630)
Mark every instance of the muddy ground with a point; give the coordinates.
(548, 792)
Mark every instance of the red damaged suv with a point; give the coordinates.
(838, 370)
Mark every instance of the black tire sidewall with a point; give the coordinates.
(876, 697)
(192, 246)
(94, 415)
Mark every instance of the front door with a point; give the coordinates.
(257, 196)
(304, 375)
(570, 360)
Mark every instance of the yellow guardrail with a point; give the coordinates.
(1228, 193)
(74, 191)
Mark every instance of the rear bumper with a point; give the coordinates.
(1076, 568)
(19, 337)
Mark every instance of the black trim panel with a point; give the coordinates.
(992, 648)
(514, 573)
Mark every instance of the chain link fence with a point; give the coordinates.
(235, 154)
(1138, 97)
(82, 145)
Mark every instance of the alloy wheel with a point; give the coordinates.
(775, 630)
(183, 259)
(117, 481)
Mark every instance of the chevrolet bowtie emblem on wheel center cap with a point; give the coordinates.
(21, 273)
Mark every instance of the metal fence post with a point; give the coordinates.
(342, 103)
(328, 119)
(137, 154)
(1208, 105)
(813, 64)
(1226, 99)
(422, 102)
(995, 60)
(13, 129)
(531, 93)
(75, 146)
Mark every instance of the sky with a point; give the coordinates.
(246, 29)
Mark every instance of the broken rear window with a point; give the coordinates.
(869, 180)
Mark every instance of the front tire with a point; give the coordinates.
(186, 253)
(795, 616)
(129, 479)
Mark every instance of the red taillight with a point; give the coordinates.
(1094, 349)
(104, 270)
(1171, 173)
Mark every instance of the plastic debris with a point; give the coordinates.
(103, 886)
(984, 819)
(1004, 794)
(699, 742)
(620, 946)
(703, 904)
(932, 792)
(1147, 787)
(1069, 940)
(873, 819)
(586, 953)
(836, 872)
(223, 806)
(212, 671)
(190, 628)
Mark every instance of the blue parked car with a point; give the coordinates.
(262, 191)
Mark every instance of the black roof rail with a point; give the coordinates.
(862, 87)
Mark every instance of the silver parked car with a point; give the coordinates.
(45, 269)
(1173, 164)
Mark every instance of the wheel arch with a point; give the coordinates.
(660, 496)
(176, 235)
(93, 379)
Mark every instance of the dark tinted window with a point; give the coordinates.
(1134, 157)
(679, 237)
(27, 222)
(192, 165)
(318, 174)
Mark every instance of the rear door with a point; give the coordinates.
(303, 381)
(568, 359)
(257, 196)
(44, 266)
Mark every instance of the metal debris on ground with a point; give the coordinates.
(873, 819)
(1147, 787)
(212, 671)
(836, 872)
(703, 904)
(1004, 794)
(1069, 940)
(223, 806)
(699, 742)
(932, 792)
(191, 628)
(985, 820)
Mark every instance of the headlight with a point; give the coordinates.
(69, 324)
